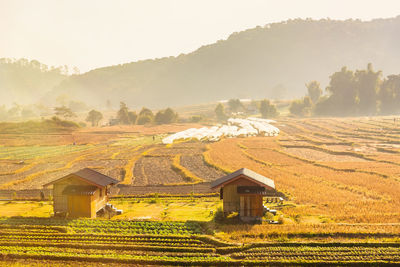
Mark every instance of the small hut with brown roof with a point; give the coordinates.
(81, 194)
(242, 191)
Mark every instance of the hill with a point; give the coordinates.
(274, 61)
(54, 125)
(25, 82)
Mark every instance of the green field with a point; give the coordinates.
(166, 243)
(35, 152)
(176, 231)
(153, 208)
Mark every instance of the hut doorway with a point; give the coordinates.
(79, 206)
(251, 206)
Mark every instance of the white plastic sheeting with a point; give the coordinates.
(234, 128)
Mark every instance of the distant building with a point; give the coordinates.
(113, 122)
(242, 191)
(81, 194)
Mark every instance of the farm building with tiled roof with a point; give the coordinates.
(242, 191)
(81, 194)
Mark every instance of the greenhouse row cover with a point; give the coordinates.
(234, 128)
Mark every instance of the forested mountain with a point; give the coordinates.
(274, 61)
(25, 82)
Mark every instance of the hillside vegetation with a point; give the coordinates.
(25, 82)
(54, 125)
(274, 61)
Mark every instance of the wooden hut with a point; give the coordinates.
(81, 194)
(242, 191)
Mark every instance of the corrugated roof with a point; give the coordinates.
(96, 177)
(81, 190)
(246, 172)
(91, 176)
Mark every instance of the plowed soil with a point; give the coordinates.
(196, 165)
(158, 171)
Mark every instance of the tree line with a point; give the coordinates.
(145, 116)
(351, 93)
(127, 117)
(236, 107)
(123, 117)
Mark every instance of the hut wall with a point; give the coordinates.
(231, 199)
(251, 205)
(80, 206)
(99, 199)
(60, 201)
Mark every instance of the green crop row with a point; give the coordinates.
(351, 253)
(108, 239)
(27, 152)
(46, 252)
(104, 246)
(107, 226)
(176, 254)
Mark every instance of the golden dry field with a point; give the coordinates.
(331, 170)
(340, 179)
(340, 170)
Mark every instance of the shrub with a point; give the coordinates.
(301, 107)
(196, 118)
(144, 119)
(219, 216)
(166, 116)
(267, 109)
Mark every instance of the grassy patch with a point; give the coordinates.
(171, 209)
(26, 208)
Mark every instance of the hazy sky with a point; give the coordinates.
(95, 33)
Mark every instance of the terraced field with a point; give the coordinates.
(329, 168)
(340, 178)
(133, 159)
(166, 243)
(343, 170)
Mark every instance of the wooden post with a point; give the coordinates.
(248, 206)
(241, 214)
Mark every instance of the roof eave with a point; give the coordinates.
(237, 174)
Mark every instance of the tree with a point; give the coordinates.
(389, 95)
(296, 107)
(367, 84)
(267, 109)
(301, 107)
(314, 91)
(159, 118)
(132, 117)
(343, 93)
(144, 119)
(166, 116)
(196, 118)
(220, 112)
(170, 115)
(123, 114)
(145, 116)
(235, 105)
(94, 117)
(65, 112)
